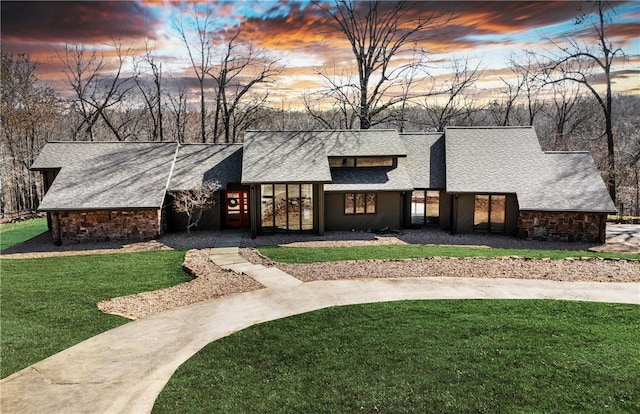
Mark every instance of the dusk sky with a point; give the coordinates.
(300, 35)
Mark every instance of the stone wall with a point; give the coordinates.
(562, 226)
(103, 225)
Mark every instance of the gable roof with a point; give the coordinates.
(509, 160)
(302, 156)
(489, 160)
(425, 158)
(568, 181)
(287, 156)
(106, 175)
(197, 163)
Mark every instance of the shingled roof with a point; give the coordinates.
(197, 163)
(106, 175)
(284, 157)
(371, 178)
(509, 160)
(425, 158)
(567, 181)
(302, 156)
(490, 160)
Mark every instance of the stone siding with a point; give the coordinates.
(103, 225)
(562, 226)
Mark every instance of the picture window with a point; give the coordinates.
(360, 203)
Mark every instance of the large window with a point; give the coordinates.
(489, 213)
(425, 207)
(286, 207)
(337, 162)
(360, 203)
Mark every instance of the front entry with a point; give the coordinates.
(236, 207)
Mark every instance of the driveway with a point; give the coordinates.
(124, 369)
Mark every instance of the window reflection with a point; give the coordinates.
(286, 207)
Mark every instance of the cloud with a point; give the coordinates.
(78, 21)
(455, 25)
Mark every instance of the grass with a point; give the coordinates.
(415, 251)
(421, 356)
(49, 304)
(16, 233)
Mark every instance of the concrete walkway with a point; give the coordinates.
(271, 277)
(124, 369)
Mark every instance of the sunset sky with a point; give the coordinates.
(299, 34)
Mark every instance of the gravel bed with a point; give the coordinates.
(569, 270)
(409, 236)
(42, 246)
(561, 270)
(210, 282)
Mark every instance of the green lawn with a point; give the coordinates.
(415, 251)
(49, 304)
(15, 233)
(421, 356)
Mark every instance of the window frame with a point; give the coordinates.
(352, 162)
(366, 196)
(492, 227)
(294, 208)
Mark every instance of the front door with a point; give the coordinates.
(236, 207)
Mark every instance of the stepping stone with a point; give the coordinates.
(272, 277)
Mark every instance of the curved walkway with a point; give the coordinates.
(123, 370)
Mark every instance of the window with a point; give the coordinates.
(425, 207)
(339, 162)
(360, 203)
(287, 207)
(489, 213)
(342, 162)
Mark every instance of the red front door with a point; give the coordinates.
(237, 208)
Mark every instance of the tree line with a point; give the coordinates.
(564, 92)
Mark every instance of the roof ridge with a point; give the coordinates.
(112, 142)
(322, 130)
(210, 143)
(491, 127)
(567, 152)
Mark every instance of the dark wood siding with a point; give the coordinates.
(388, 213)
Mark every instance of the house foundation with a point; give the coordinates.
(68, 227)
(562, 226)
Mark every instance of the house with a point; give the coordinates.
(105, 190)
(465, 179)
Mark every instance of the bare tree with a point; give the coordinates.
(193, 202)
(29, 112)
(502, 108)
(151, 94)
(526, 73)
(178, 111)
(577, 61)
(566, 111)
(343, 95)
(97, 89)
(241, 69)
(453, 101)
(199, 42)
(378, 32)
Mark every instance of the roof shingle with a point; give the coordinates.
(197, 163)
(106, 175)
(509, 160)
(302, 156)
(425, 158)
